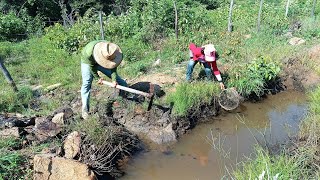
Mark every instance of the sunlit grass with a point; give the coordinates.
(190, 96)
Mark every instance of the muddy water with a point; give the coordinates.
(211, 150)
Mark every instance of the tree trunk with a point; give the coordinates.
(176, 18)
(287, 8)
(101, 25)
(313, 8)
(230, 17)
(259, 15)
(8, 76)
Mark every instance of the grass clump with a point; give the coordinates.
(10, 143)
(191, 96)
(12, 162)
(266, 166)
(16, 102)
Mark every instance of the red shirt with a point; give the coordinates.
(196, 52)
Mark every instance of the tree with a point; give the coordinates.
(7, 76)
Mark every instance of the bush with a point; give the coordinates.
(11, 27)
(254, 76)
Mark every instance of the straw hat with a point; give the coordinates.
(107, 54)
(209, 52)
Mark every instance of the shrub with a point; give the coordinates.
(11, 27)
(254, 76)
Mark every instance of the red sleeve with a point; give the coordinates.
(214, 68)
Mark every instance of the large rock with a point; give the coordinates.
(48, 167)
(58, 119)
(71, 145)
(162, 135)
(296, 41)
(46, 129)
(12, 132)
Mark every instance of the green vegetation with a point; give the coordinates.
(41, 42)
(11, 101)
(253, 77)
(11, 162)
(190, 96)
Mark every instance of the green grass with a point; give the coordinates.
(92, 128)
(11, 164)
(10, 143)
(11, 161)
(282, 166)
(11, 101)
(190, 96)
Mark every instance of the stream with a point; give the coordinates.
(211, 150)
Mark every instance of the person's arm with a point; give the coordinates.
(86, 57)
(216, 72)
(190, 54)
(114, 75)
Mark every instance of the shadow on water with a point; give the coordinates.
(209, 148)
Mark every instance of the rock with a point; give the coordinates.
(46, 166)
(288, 35)
(12, 132)
(39, 120)
(161, 136)
(247, 36)
(58, 119)
(68, 112)
(72, 145)
(46, 129)
(296, 41)
(157, 63)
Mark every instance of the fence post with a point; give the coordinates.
(230, 17)
(101, 25)
(8, 76)
(259, 15)
(313, 8)
(287, 8)
(176, 18)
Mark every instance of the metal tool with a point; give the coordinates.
(149, 95)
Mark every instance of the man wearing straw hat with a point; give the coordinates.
(206, 55)
(97, 56)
